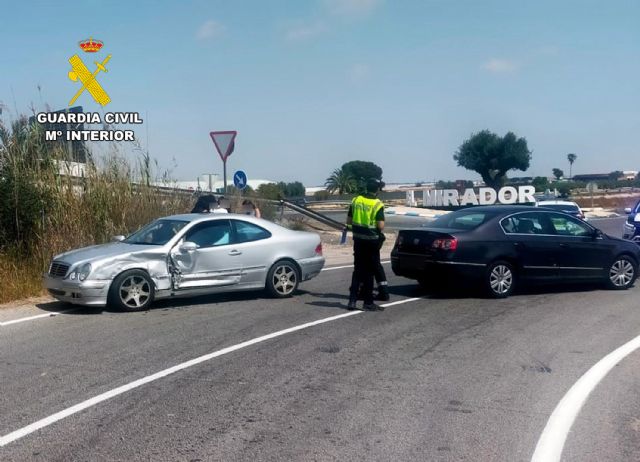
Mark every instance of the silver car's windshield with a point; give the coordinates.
(158, 232)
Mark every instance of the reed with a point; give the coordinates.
(44, 212)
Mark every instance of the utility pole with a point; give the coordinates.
(211, 175)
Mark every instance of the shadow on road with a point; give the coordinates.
(329, 299)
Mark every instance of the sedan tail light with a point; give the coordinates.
(445, 244)
(319, 249)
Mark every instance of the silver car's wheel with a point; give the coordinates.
(622, 273)
(132, 291)
(500, 279)
(283, 279)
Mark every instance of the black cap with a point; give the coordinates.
(373, 185)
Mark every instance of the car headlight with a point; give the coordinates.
(81, 273)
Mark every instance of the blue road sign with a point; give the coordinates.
(240, 179)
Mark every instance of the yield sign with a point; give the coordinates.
(224, 142)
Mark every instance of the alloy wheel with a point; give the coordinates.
(621, 273)
(284, 279)
(501, 279)
(135, 291)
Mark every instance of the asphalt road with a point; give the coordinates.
(447, 377)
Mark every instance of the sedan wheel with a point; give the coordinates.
(500, 279)
(622, 273)
(132, 291)
(282, 279)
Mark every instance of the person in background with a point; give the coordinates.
(223, 205)
(249, 208)
(366, 221)
(204, 204)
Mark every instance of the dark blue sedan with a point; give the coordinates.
(504, 246)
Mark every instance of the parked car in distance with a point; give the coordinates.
(503, 246)
(563, 206)
(631, 227)
(183, 255)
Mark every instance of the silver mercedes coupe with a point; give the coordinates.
(185, 255)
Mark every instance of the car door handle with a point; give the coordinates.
(234, 252)
(518, 244)
(564, 246)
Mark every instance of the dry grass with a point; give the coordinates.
(44, 213)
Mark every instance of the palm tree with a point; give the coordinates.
(571, 158)
(340, 181)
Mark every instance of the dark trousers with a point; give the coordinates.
(378, 272)
(366, 258)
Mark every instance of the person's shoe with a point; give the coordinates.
(372, 307)
(383, 295)
(352, 305)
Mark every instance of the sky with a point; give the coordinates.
(312, 84)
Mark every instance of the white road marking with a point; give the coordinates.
(31, 318)
(24, 431)
(554, 435)
(54, 313)
(329, 268)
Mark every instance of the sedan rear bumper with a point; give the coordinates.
(420, 268)
(88, 293)
(311, 267)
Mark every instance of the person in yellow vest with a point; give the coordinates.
(366, 221)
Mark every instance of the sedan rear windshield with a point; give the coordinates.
(461, 220)
(157, 233)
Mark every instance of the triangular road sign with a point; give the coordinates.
(224, 143)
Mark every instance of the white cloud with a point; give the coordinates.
(352, 8)
(210, 29)
(304, 31)
(358, 72)
(498, 66)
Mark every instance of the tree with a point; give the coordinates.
(558, 173)
(269, 191)
(492, 156)
(540, 183)
(361, 170)
(295, 189)
(340, 181)
(571, 158)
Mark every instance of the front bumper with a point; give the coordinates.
(311, 267)
(87, 293)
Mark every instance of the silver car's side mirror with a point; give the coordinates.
(118, 238)
(188, 246)
(627, 210)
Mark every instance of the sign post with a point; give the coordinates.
(225, 143)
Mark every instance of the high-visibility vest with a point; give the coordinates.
(363, 216)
